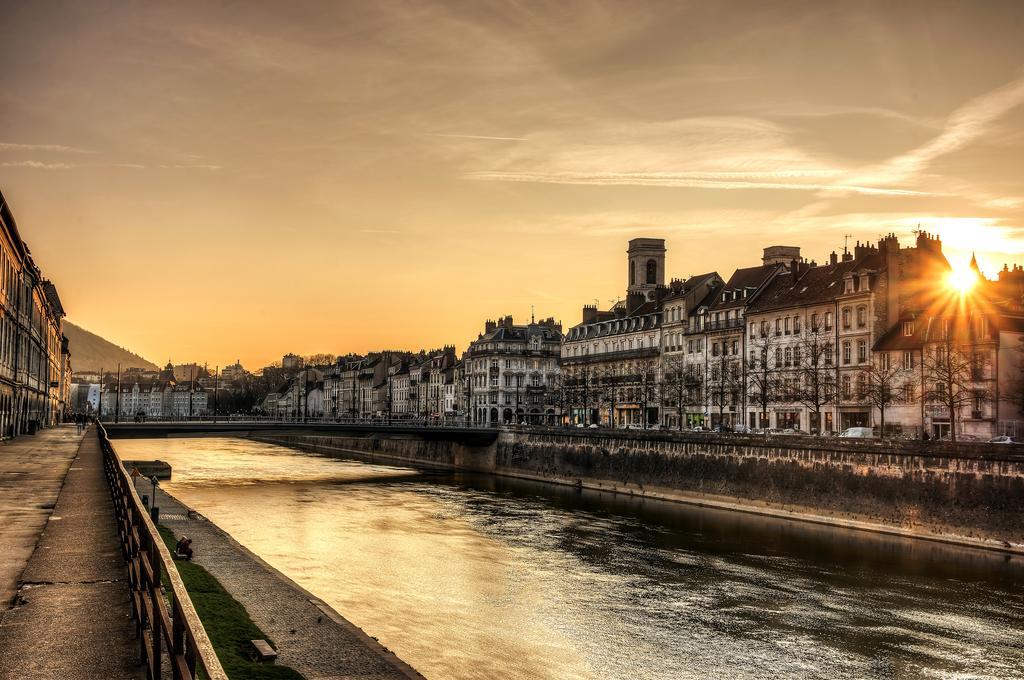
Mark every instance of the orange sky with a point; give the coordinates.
(211, 181)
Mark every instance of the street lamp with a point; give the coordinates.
(154, 511)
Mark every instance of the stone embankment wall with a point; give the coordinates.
(937, 490)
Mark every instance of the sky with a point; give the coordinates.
(211, 181)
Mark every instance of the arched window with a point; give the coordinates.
(652, 271)
(862, 316)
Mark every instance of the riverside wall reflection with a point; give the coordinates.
(470, 576)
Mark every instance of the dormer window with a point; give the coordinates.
(908, 329)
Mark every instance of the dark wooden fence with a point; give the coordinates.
(176, 636)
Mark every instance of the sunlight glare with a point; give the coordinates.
(962, 280)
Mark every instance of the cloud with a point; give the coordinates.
(192, 166)
(37, 164)
(11, 146)
(966, 124)
(749, 181)
(502, 139)
(129, 165)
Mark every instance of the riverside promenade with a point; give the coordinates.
(65, 612)
(310, 636)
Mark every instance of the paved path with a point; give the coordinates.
(71, 617)
(311, 637)
(32, 470)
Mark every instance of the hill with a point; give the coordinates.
(90, 352)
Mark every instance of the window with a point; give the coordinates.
(714, 349)
(846, 317)
(652, 272)
(789, 356)
(862, 316)
(828, 352)
(883, 361)
(828, 321)
(778, 356)
(796, 355)
(735, 347)
(814, 321)
(787, 325)
(908, 360)
(846, 351)
(908, 329)
(796, 324)
(778, 326)
(847, 386)
(862, 351)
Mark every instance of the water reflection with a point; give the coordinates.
(476, 577)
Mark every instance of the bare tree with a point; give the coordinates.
(608, 385)
(676, 385)
(814, 362)
(648, 389)
(724, 383)
(952, 371)
(763, 385)
(882, 384)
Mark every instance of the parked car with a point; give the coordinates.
(1003, 439)
(655, 426)
(858, 433)
(697, 428)
(593, 426)
(795, 431)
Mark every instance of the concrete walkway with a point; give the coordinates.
(71, 616)
(32, 471)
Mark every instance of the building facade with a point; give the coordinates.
(34, 379)
(510, 374)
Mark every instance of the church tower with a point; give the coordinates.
(646, 265)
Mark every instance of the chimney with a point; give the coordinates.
(589, 313)
(833, 258)
(633, 301)
(489, 326)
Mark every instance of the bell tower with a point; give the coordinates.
(646, 265)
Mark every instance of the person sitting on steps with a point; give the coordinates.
(184, 548)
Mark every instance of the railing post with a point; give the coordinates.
(155, 626)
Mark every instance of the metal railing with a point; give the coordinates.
(178, 633)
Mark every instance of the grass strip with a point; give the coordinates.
(227, 623)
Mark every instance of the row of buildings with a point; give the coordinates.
(35, 362)
(881, 337)
(876, 336)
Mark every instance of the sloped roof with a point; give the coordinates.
(743, 279)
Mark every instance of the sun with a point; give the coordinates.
(962, 280)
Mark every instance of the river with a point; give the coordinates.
(468, 576)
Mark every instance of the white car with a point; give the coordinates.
(858, 433)
(1003, 439)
